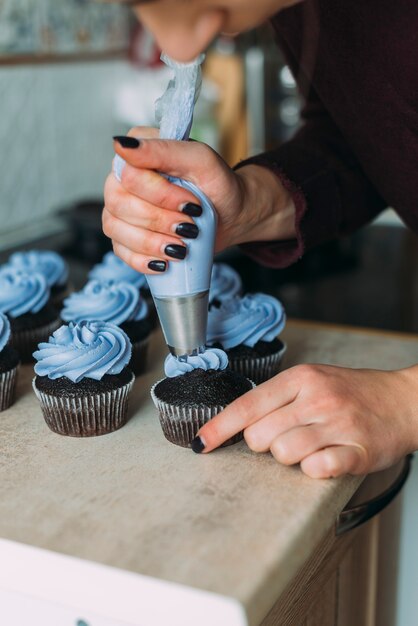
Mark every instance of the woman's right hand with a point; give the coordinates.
(150, 219)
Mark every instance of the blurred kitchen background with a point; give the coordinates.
(74, 72)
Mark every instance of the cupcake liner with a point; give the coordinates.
(7, 388)
(259, 369)
(180, 424)
(86, 415)
(26, 341)
(138, 362)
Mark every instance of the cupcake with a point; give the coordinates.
(118, 303)
(247, 329)
(194, 391)
(9, 365)
(48, 263)
(25, 299)
(82, 381)
(225, 284)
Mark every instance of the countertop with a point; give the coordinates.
(232, 523)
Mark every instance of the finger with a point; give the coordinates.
(148, 132)
(155, 189)
(335, 461)
(260, 435)
(139, 262)
(249, 408)
(146, 242)
(294, 445)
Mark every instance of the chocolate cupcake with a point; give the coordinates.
(225, 284)
(118, 303)
(25, 299)
(9, 365)
(113, 269)
(82, 380)
(247, 329)
(194, 391)
(48, 263)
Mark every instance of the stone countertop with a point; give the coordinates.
(233, 522)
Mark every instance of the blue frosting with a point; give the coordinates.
(21, 292)
(85, 350)
(110, 302)
(211, 359)
(112, 268)
(48, 263)
(248, 320)
(225, 283)
(4, 331)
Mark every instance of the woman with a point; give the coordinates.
(357, 66)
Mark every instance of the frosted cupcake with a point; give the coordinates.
(117, 303)
(48, 263)
(82, 381)
(9, 364)
(113, 269)
(225, 284)
(247, 329)
(193, 392)
(25, 299)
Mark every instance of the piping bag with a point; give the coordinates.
(181, 294)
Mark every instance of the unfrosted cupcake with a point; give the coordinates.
(48, 263)
(113, 269)
(9, 364)
(247, 329)
(225, 284)
(25, 299)
(82, 381)
(193, 392)
(117, 303)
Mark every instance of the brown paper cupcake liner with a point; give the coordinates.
(8, 387)
(86, 415)
(138, 362)
(26, 341)
(259, 369)
(180, 424)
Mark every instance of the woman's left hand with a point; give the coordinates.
(331, 420)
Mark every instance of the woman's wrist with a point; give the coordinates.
(409, 378)
(268, 212)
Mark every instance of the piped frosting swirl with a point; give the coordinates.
(21, 292)
(113, 269)
(4, 331)
(85, 350)
(110, 302)
(225, 283)
(211, 359)
(248, 320)
(46, 262)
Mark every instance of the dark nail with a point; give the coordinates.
(127, 142)
(157, 266)
(189, 231)
(191, 209)
(197, 445)
(176, 252)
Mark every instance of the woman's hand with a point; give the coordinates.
(145, 215)
(331, 420)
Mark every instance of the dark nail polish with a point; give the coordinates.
(157, 266)
(197, 445)
(176, 252)
(127, 142)
(192, 210)
(189, 231)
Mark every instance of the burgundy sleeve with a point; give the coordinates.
(331, 193)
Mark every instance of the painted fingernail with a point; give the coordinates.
(127, 142)
(176, 252)
(157, 266)
(189, 231)
(191, 209)
(197, 445)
